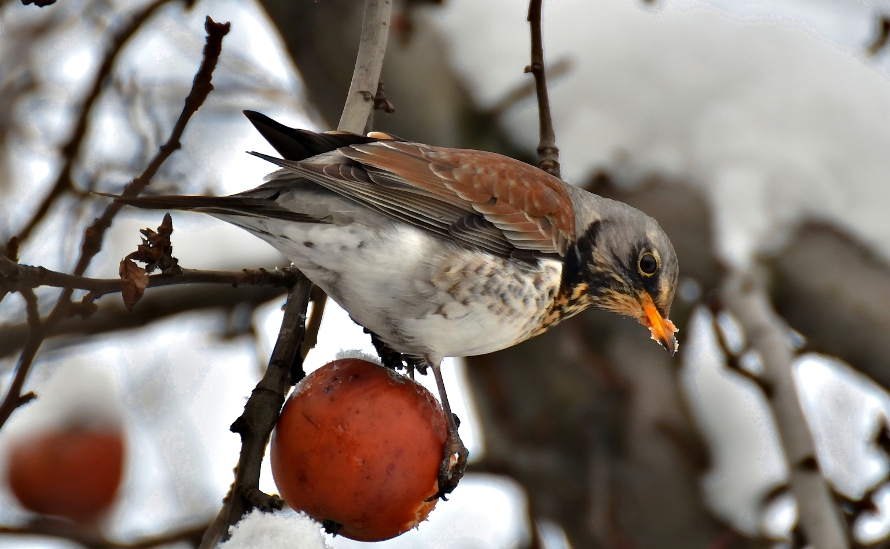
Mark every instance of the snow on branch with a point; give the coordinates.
(746, 298)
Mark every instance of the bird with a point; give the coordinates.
(443, 252)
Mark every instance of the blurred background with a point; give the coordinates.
(757, 133)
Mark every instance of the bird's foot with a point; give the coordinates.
(390, 358)
(412, 364)
(453, 466)
(393, 359)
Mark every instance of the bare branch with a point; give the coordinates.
(35, 330)
(260, 415)
(95, 233)
(319, 299)
(17, 277)
(525, 89)
(820, 520)
(262, 409)
(368, 63)
(360, 102)
(201, 88)
(547, 151)
(71, 149)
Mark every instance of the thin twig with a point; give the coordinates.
(525, 89)
(95, 233)
(880, 41)
(71, 149)
(547, 151)
(35, 329)
(746, 298)
(59, 529)
(201, 88)
(15, 277)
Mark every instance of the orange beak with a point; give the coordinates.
(662, 329)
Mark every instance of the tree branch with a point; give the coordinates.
(285, 368)
(95, 233)
(359, 103)
(71, 149)
(260, 415)
(547, 151)
(319, 299)
(368, 64)
(15, 277)
(820, 520)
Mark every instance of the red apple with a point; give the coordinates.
(360, 445)
(73, 473)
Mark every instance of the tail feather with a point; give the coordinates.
(220, 205)
(294, 144)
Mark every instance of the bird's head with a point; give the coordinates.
(629, 267)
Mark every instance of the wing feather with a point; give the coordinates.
(530, 200)
(482, 199)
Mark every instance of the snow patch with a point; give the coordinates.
(259, 530)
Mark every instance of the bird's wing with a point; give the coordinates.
(482, 199)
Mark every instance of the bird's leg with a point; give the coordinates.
(454, 454)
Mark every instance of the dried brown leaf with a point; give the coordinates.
(156, 250)
(134, 280)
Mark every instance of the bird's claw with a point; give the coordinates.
(452, 468)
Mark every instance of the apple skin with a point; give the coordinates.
(360, 445)
(73, 473)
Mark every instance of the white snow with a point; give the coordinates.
(773, 119)
(283, 530)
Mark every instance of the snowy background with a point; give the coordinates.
(773, 107)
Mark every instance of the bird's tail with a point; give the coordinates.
(294, 144)
(217, 205)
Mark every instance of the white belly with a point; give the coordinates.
(421, 294)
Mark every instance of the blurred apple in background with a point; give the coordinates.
(73, 472)
(360, 445)
(65, 452)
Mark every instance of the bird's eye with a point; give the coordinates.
(647, 264)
